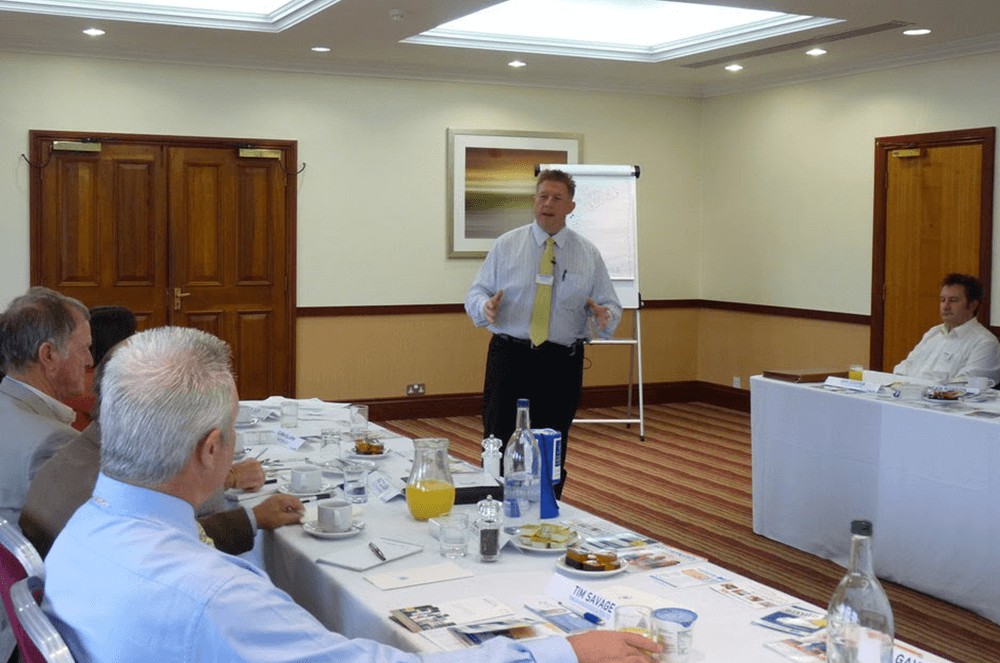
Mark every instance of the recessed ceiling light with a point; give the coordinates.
(321, 49)
(733, 67)
(916, 32)
(815, 51)
(94, 32)
(516, 64)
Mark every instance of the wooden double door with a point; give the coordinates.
(181, 231)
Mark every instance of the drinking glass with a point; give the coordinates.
(356, 483)
(453, 534)
(359, 421)
(289, 414)
(634, 619)
(330, 436)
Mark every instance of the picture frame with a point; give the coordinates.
(491, 178)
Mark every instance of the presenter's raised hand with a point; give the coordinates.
(491, 306)
(613, 647)
(601, 313)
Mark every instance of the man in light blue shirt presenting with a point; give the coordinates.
(541, 360)
(128, 579)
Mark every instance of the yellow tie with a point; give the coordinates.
(543, 296)
(203, 535)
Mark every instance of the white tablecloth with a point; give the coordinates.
(928, 477)
(347, 603)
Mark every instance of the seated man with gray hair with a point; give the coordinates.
(128, 579)
(45, 348)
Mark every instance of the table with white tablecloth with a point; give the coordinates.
(926, 474)
(344, 601)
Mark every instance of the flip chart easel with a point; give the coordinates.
(606, 215)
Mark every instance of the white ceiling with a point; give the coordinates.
(365, 40)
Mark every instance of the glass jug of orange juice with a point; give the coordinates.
(430, 490)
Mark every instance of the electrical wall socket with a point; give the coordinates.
(415, 389)
(736, 381)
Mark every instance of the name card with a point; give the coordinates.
(383, 487)
(854, 385)
(569, 592)
(293, 442)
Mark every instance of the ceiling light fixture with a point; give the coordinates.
(733, 67)
(916, 32)
(321, 49)
(516, 64)
(815, 52)
(632, 31)
(94, 32)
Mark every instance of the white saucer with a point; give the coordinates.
(356, 456)
(286, 488)
(580, 573)
(311, 528)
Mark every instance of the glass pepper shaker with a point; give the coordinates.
(488, 525)
(492, 456)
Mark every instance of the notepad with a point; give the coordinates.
(359, 557)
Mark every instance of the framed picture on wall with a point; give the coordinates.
(491, 178)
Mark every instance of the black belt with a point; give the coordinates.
(547, 346)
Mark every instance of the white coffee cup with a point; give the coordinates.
(979, 383)
(306, 479)
(334, 515)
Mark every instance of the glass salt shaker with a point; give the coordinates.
(488, 526)
(492, 456)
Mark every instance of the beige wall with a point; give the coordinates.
(365, 357)
(788, 176)
(356, 357)
(733, 344)
(759, 198)
(372, 204)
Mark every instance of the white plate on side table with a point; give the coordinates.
(580, 573)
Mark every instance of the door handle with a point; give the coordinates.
(177, 298)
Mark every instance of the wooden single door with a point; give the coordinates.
(228, 266)
(933, 216)
(181, 231)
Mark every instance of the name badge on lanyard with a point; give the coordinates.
(544, 279)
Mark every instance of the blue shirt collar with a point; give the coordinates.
(125, 499)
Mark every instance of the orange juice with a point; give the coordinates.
(430, 498)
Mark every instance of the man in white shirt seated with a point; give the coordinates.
(128, 579)
(959, 347)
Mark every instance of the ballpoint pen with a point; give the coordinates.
(589, 616)
(375, 549)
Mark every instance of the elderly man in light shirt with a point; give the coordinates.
(45, 350)
(960, 347)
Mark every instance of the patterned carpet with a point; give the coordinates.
(688, 484)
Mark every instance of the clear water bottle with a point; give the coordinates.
(859, 623)
(522, 474)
